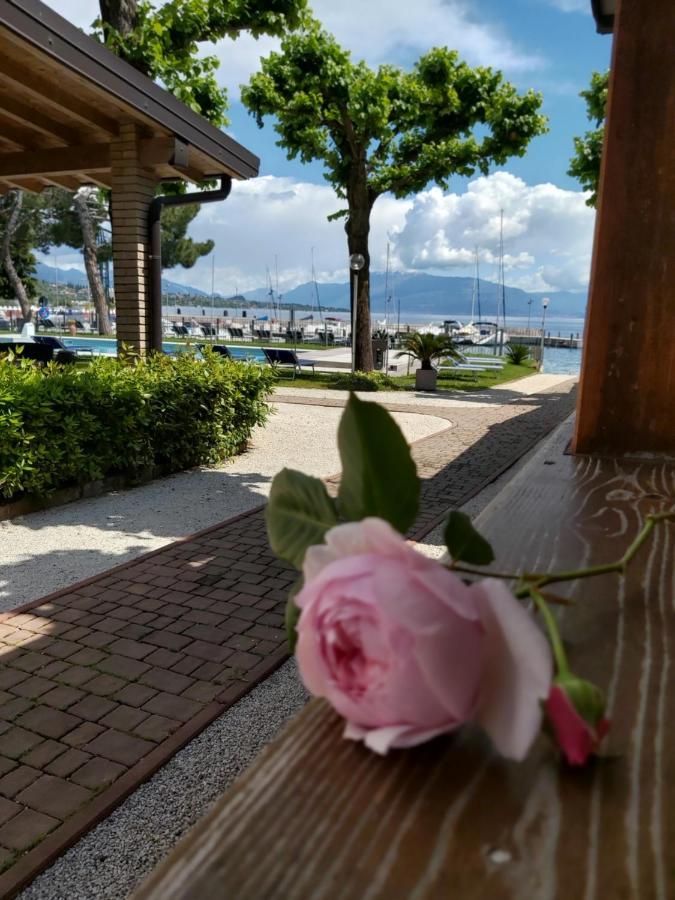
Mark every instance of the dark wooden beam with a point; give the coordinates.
(30, 185)
(59, 161)
(627, 394)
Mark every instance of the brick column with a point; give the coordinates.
(133, 188)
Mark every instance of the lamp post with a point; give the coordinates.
(356, 263)
(544, 305)
(529, 312)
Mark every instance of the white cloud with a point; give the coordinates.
(386, 31)
(271, 222)
(377, 31)
(281, 218)
(547, 232)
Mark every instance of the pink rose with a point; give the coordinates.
(404, 650)
(578, 737)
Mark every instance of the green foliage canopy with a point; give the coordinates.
(585, 164)
(163, 43)
(406, 129)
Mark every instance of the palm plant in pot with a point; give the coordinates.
(428, 349)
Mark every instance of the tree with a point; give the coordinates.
(76, 220)
(21, 230)
(177, 249)
(163, 43)
(385, 130)
(585, 164)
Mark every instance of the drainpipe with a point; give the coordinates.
(155, 228)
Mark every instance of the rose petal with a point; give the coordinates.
(518, 670)
(381, 740)
(352, 539)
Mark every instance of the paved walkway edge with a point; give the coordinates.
(28, 867)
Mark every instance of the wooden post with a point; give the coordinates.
(133, 188)
(627, 391)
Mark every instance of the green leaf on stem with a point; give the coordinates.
(379, 477)
(299, 513)
(464, 542)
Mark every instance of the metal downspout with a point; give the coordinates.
(155, 228)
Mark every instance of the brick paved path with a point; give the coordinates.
(102, 682)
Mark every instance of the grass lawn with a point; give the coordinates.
(447, 381)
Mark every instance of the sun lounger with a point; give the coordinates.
(287, 359)
(492, 362)
(462, 367)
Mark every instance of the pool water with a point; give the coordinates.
(562, 361)
(108, 347)
(557, 360)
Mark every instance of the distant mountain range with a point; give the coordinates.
(78, 278)
(435, 295)
(432, 295)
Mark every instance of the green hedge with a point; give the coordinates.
(62, 425)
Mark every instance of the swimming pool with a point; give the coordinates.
(108, 347)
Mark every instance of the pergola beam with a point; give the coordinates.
(59, 161)
(20, 80)
(92, 159)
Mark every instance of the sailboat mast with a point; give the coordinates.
(478, 286)
(276, 271)
(502, 276)
(213, 294)
(473, 291)
(324, 327)
(386, 290)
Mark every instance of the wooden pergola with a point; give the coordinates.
(73, 114)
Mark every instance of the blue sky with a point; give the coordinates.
(564, 48)
(549, 45)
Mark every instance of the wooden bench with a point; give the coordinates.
(317, 816)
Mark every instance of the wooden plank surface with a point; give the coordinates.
(627, 388)
(320, 817)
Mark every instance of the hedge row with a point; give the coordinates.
(62, 425)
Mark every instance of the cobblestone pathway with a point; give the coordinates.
(102, 682)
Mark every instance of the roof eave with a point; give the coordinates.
(55, 36)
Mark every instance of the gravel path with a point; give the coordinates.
(44, 551)
(110, 861)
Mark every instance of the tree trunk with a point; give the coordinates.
(358, 229)
(122, 15)
(17, 284)
(91, 262)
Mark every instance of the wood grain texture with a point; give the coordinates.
(318, 817)
(627, 390)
